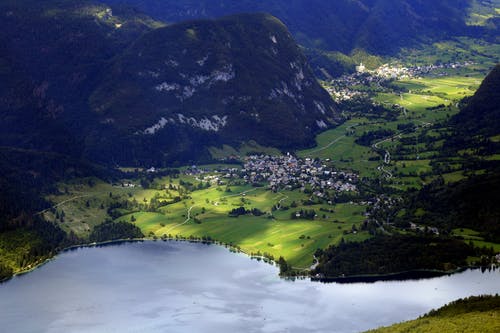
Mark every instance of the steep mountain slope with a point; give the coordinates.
(379, 26)
(477, 125)
(78, 78)
(237, 78)
(482, 113)
(51, 54)
(472, 202)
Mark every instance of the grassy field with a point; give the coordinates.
(475, 238)
(295, 240)
(275, 232)
(339, 146)
(475, 322)
(84, 206)
(427, 101)
(483, 54)
(452, 88)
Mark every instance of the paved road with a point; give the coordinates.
(333, 142)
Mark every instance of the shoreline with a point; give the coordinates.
(42, 262)
(416, 274)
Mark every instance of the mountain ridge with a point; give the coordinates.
(61, 62)
(220, 77)
(378, 26)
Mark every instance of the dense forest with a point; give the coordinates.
(114, 231)
(25, 178)
(471, 203)
(478, 119)
(389, 254)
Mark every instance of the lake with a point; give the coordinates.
(191, 287)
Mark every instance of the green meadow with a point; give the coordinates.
(339, 146)
(204, 213)
(475, 237)
(427, 101)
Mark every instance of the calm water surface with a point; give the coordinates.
(185, 287)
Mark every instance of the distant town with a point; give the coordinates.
(345, 88)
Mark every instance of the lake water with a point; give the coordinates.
(186, 287)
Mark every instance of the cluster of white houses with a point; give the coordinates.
(290, 172)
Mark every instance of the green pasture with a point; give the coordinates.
(274, 232)
(453, 88)
(295, 240)
(475, 238)
(338, 145)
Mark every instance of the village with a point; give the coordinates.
(284, 172)
(289, 172)
(348, 86)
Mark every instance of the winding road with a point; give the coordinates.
(327, 146)
(387, 154)
(278, 206)
(332, 142)
(186, 221)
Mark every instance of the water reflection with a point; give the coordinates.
(186, 287)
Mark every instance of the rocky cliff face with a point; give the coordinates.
(234, 79)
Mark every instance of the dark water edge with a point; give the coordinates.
(413, 275)
(42, 262)
(418, 274)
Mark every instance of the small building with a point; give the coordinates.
(361, 68)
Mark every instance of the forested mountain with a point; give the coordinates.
(52, 54)
(378, 26)
(482, 111)
(112, 85)
(230, 80)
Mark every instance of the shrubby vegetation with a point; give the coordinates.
(5, 272)
(477, 314)
(235, 212)
(114, 231)
(25, 178)
(470, 304)
(368, 138)
(471, 203)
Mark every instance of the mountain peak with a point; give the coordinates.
(240, 77)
